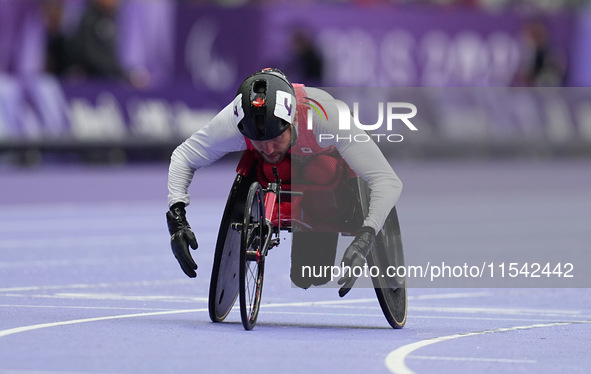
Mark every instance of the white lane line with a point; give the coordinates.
(96, 285)
(474, 359)
(115, 297)
(377, 314)
(504, 319)
(75, 242)
(455, 295)
(395, 360)
(480, 310)
(327, 314)
(319, 303)
(551, 316)
(498, 311)
(81, 307)
(374, 300)
(82, 262)
(18, 330)
(21, 329)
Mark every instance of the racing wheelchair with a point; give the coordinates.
(253, 218)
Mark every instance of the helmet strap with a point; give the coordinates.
(294, 135)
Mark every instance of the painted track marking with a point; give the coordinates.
(21, 329)
(395, 360)
(96, 285)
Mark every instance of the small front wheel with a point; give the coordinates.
(252, 259)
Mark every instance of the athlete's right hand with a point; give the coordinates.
(181, 237)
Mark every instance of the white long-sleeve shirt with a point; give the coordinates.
(221, 136)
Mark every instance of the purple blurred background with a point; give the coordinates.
(175, 63)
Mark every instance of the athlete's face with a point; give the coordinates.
(275, 149)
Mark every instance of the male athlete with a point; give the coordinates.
(268, 115)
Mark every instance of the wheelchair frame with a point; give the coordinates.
(246, 234)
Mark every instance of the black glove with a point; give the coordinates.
(355, 257)
(181, 238)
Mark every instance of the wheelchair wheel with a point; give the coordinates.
(390, 291)
(224, 285)
(387, 251)
(252, 260)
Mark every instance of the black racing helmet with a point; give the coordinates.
(267, 99)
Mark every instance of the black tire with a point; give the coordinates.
(387, 251)
(390, 291)
(224, 284)
(252, 258)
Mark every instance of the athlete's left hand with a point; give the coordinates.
(354, 257)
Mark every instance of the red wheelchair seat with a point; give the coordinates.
(326, 200)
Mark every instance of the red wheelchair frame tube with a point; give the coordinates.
(270, 202)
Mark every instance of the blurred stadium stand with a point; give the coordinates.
(182, 62)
